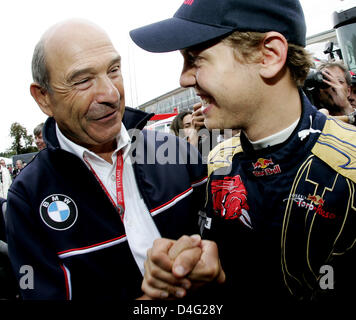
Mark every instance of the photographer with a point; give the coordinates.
(352, 96)
(334, 95)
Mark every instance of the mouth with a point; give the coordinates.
(107, 116)
(101, 112)
(207, 104)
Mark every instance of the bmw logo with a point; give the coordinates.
(58, 212)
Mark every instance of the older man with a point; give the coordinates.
(5, 179)
(37, 132)
(83, 213)
(281, 197)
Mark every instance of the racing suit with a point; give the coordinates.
(284, 216)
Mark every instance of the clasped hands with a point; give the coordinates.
(174, 267)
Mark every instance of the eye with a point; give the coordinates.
(115, 69)
(82, 83)
(195, 60)
(192, 60)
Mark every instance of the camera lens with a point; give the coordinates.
(315, 80)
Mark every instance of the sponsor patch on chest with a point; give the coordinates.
(265, 167)
(230, 199)
(313, 203)
(58, 211)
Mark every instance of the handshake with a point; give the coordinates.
(174, 267)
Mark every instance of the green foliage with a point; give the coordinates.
(22, 142)
(7, 154)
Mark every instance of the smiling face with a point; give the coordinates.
(87, 92)
(39, 141)
(226, 86)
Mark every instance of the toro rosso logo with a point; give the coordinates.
(230, 199)
(312, 203)
(265, 167)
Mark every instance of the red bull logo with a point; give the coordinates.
(262, 163)
(316, 199)
(265, 167)
(188, 2)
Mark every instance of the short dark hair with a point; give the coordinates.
(177, 123)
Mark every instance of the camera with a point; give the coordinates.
(312, 85)
(353, 79)
(315, 80)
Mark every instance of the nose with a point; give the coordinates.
(187, 77)
(107, 92)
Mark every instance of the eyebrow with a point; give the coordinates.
(115, 61)
(77, 73)
(188, 52)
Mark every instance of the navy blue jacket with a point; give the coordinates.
(83, 253)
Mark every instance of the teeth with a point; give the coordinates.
(205, 101)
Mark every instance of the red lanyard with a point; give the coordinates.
(119, 184)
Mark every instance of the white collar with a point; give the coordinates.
(275, 138)
(122, 139)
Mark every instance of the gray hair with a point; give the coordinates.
(40, 73)
(38, 130)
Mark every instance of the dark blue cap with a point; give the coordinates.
(198, 21)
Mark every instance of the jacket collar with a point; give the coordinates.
(133, 119)
(305, 134)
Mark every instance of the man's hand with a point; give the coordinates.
(197, 122)
(342, 118)
(337, 91)
(159, 282)
(172, 267)
(197, 117)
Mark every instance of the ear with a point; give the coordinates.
(349, 91)
(41, 96)
(274, 54)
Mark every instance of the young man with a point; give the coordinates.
(182, 125)
(281, 198)
(83, 213)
